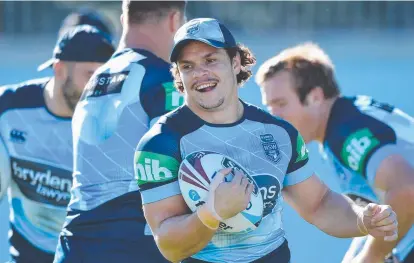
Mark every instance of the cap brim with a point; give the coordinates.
(46, 64)
(180, 44)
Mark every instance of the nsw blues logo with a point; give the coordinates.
(270, 148)
(193, 29)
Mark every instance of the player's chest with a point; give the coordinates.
(35, 134)
(262, 152)
(40, 150)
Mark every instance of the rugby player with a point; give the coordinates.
(209, 67)
(370, 143)
(105, 221)
(35, 122)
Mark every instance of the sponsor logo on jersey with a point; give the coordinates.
(105, 83)
(270, 148)
(42, 183)
(301, 149)
(270, 188)
(227, 163)
(18, 136)
(153, 167)
(356, 148)
(173, 98)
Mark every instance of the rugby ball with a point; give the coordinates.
(194, 177)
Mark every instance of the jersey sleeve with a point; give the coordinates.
(160, 99)
(363, 149)
(156, 163)
(299, 168)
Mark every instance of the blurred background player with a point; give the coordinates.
(370, 143)
(105, 222)
(210, 67)
(36, 130)
(86, 16)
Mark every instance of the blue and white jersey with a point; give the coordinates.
(270, 149)
(115, 111)
(360, 134)
(40, 148)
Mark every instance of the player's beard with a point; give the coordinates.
(212, 106)
(70, 94)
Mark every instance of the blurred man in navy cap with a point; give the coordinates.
(36, 141)
(86, 16)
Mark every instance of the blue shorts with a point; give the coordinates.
(279, 255)
(112, 232)
(25, 252)
(74, 250)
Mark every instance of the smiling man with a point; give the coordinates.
(209, 67)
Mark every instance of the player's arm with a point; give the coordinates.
(5, 169)
(378, 160)
(331, 212)
(396, 177)
(178, 232)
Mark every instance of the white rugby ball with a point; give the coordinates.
(195, 175)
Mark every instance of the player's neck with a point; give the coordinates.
(55, 101)
(144, 38)
(226, 115)
(324, 117)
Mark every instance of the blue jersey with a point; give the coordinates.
(116, 109)
(360, 134)
(270, 149)
(40, 148)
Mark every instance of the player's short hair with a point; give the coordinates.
(247, 61)
(140, 11)
(310, 66)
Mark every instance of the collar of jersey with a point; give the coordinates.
(242, 119)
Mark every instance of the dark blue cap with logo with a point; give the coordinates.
(82, 43)
(206, 30)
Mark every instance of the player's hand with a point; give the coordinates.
(380, 221)
(230, 198)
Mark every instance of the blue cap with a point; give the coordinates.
(206, 30)
(83, 43)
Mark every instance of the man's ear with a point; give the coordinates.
(121, 18)
(315, 97)
(236, 63)
(61, 71)
(175, 20)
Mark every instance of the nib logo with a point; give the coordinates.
(153, 167)
(356, 148)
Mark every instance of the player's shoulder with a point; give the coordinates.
(156, 69)
(180, 122)
(130, 69)
(350, 119)
(257, 114)
(28, 94)
(353, 134)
